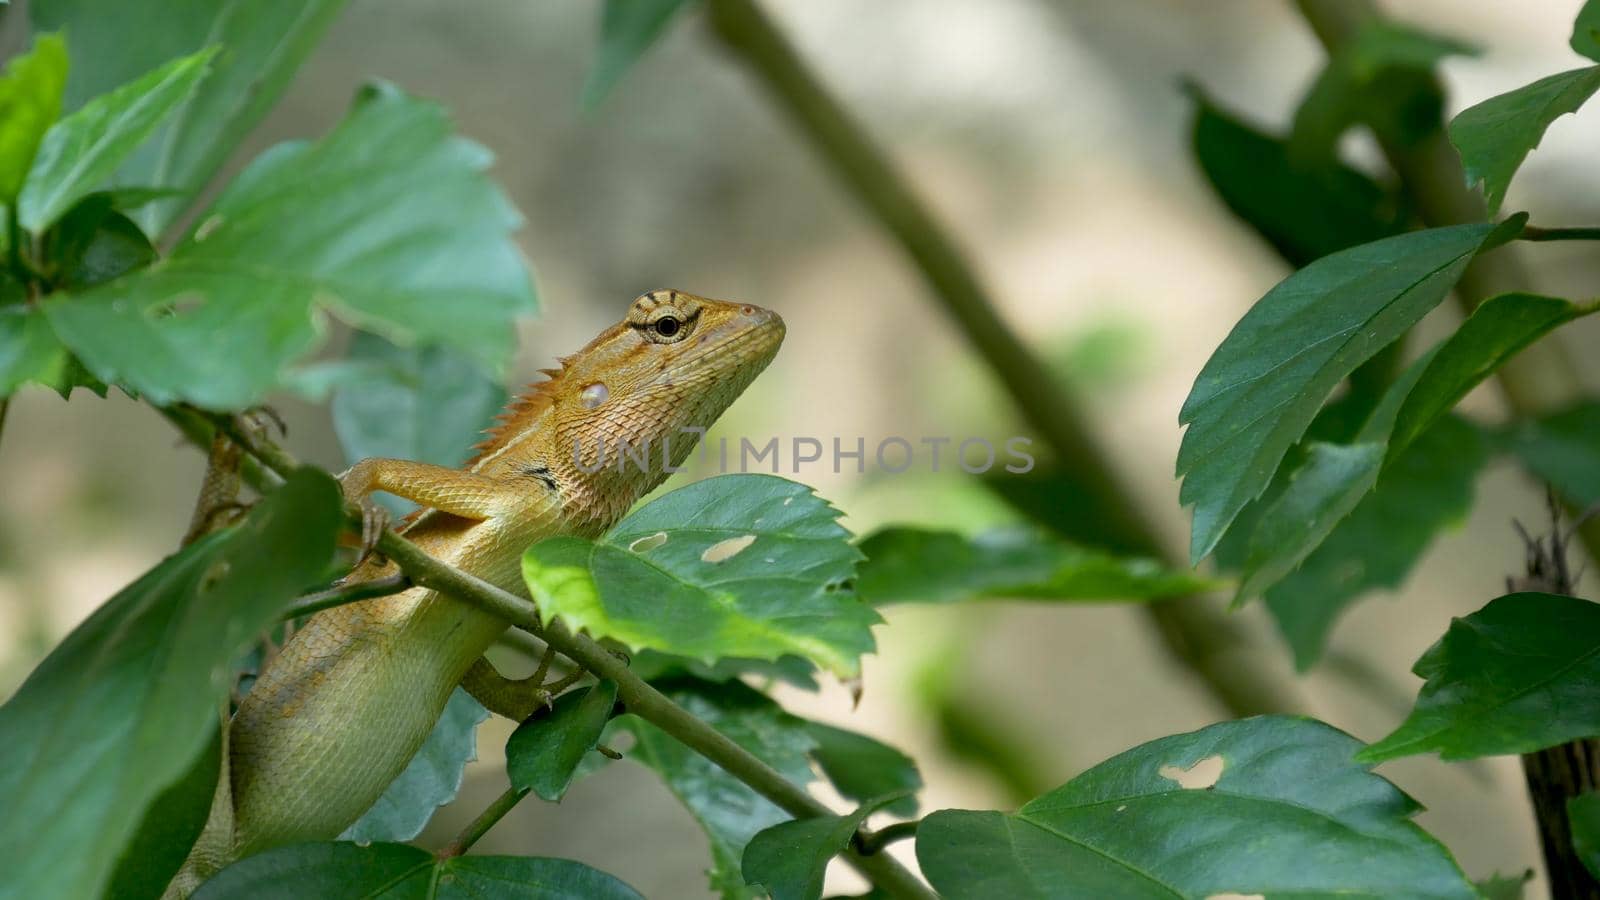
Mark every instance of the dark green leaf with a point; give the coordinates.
(862, 768)
(1063, 502)
(729, 811)
(94, 243)
(429, 781)
(171, 823)
(746, 566)
(1586, 30)
(1583, 813)
(1263, 385)
(1426, 489)
(1503, 887)
(119, 711)
(1564, 450)
(389, 222)
(544, 752)
(1496, 135)
(1284, 813)
(1304, 208)
(798, 671)
(1382, 78)
(1499, 329)
(262, 43)
(791, 859)
(1513, 677)
(627, 29)
(81, 151)
(1319, 496)
(398, 872)
(29, 350)
(920, 565)
(30, 100)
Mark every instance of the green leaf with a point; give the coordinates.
(1283, 812)
(1383, 78)
(729, 810)
(1306, 209)
(30, 100)
(862, 768)
(627, 29)
(1514, 677)
(428, 404)
(749, 566)
(544, 752)
(389, 222)
(1503, 887)
(919, 565)
(791, 859)
(1495, 136)
(400, 872)
(429, 781)
(651, 665)
(29, 350)
(1496, 331)
(1583, 812)
(262, 43)
(81, 151)
(1319, 496)
(94, 243)
(1426, 489)
(1564, 450)
(118, 713)
(1263, 385)
(170, 825)
(1586, 31)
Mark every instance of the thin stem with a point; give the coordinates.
(1534, 233)
(870, 842)
(480, 826)
(639, 697)
(1220, 651)
(5, 406)
(346, 593)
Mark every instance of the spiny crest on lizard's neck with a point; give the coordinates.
(675, 362)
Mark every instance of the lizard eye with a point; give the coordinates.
(668, 326)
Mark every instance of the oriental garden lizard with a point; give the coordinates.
(347, 701)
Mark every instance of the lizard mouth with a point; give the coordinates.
(734, 345)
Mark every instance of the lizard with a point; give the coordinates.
(349, 698)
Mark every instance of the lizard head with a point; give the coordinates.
(634, 401)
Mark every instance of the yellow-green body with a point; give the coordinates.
(344, 706)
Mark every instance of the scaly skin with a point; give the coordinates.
(345, 705)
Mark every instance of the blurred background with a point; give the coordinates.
(1051, 136)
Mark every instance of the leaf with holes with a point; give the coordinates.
(918, 565)
(790, 859)
(1264, 384)
(388, 222)
(627, 29)
(81, 151)
(429, 781)
(749, 566)
(262, 43)
(1270, 806)
(1517, 676)
(1495, 136)
(118, 712)
(729, 810)
(401, 872)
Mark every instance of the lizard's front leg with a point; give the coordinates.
(465, 494)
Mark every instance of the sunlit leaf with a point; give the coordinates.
(30, 100)
(747, 566)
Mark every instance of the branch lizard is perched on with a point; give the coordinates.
(344, 706)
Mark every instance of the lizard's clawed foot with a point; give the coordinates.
(257, 418)
(374, 522)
